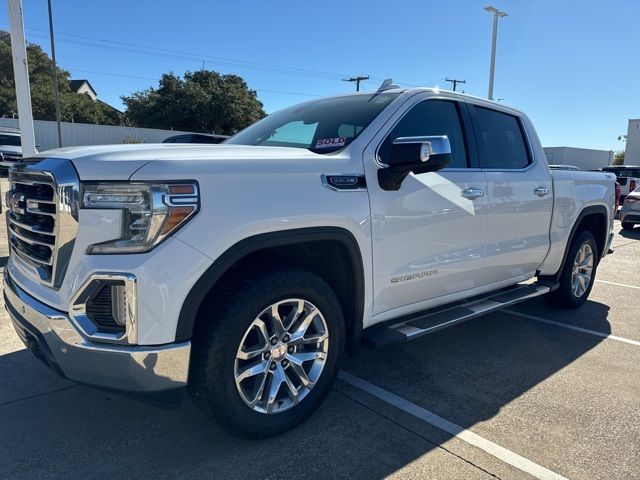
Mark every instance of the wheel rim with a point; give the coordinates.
(281, 356)
(582, 270)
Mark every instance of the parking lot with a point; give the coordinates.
(527, 393)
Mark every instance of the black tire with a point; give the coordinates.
(218, 336)
(628, 226)
(564, 297)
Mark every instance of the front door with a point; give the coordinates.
(428, 236)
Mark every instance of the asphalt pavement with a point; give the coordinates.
(532, 392)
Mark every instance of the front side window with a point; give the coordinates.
(322, 126)
(501, 144)
(431, 117)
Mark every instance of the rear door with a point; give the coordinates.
(520, 195)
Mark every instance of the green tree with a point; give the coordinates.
(202, 101)
(73, 107)
(618, 157)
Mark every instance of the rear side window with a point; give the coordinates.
(500, 139)
(431, 117)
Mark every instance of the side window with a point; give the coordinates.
(501, 143)
(432, 117)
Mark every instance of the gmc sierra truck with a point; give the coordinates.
(244, 271)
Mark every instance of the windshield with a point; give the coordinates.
(322, 126)
(13, 140)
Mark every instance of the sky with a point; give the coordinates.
(572, 66)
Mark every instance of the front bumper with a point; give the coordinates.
(629, 216)
(53, 338)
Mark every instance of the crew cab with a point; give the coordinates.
(244, 271)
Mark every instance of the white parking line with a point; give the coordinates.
(571, 327)
(618, 284)
(463, 434)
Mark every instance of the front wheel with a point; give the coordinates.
(267, 353)
(578, 274)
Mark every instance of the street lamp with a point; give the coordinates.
(496, 14)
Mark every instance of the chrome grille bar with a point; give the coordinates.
(42, 209)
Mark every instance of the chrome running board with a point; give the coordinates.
(416, 325)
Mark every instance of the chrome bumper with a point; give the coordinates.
(53, 338)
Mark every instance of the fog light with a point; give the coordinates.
(105, 308)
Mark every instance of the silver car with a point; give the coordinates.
(630, 213)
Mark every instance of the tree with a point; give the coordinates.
(618, 157)
(202, 101)
(73, 107)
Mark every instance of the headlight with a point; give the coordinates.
(150, 212)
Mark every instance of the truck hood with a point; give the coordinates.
(120, 162)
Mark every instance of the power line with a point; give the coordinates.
(201, 59)
(455, 82)
(357, 80)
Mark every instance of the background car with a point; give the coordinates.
(630, 212)
(628, 177)
(196, 138)
(10, 146)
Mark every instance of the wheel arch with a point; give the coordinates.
(350, 267)
(594, 218)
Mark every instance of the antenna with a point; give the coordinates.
(387, 85)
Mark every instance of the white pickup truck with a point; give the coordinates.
(245, 270)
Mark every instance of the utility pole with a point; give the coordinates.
(357, 79)
(496, 15)
(56, 90)
(21, 76)
(455, 82)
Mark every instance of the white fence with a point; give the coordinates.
(86, 134)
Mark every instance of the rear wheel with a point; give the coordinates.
(578, 274)
(269, 353)
(628, 226)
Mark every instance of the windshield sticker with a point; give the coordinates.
(331, 142)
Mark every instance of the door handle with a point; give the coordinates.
(541, 191)
(472, 193)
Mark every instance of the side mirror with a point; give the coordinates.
(414, 154)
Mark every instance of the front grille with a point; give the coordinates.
(31, 221)
(42, 216)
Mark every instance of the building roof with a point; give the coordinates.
(75, 85)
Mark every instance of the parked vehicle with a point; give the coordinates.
(630, 212)
(10, 146)
(246, 270)
(627, 176)
(196, 138)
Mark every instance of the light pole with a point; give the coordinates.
(496, 14)
(21, 75)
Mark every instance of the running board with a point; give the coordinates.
(416, 325)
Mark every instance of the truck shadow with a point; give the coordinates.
(633, 234)
(466, 374)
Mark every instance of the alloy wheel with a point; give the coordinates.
(281, 356)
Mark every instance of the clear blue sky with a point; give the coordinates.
(572, 65)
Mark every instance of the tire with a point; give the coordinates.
(566, 295)
(628, 226)
(231, 323)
